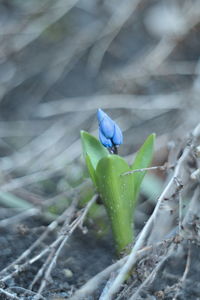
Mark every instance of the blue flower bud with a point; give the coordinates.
(106, 142)
(106, 125)
(110, 134)
(117, 137)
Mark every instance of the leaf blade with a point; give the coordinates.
(142, 160)
(93, 151)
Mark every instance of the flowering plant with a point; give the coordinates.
(116, 184)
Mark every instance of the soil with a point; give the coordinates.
(83, 257)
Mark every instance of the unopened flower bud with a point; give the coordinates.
(106, 124)
(106, 142)
(110, 134)
(117, 137)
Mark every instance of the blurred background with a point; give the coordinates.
(62, 60)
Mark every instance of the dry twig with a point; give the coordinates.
(183, 278)
(161, 168)
(8, 294)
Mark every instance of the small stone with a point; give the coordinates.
(68, 273)
(160, 294)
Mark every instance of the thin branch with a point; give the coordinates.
(21, 290)
(9, 295)
(183, 278)
(161, 168)
(179, 186)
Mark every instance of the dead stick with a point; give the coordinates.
(183, 278)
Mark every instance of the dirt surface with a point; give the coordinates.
(80, 259)
(86, 255)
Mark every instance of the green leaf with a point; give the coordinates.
(117, 193)
(90, 168)
(93, 151)
(142, 160)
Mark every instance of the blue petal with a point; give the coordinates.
(100, 115)
(106, 124)
(117, 137)
(105, 141)
(107, 127)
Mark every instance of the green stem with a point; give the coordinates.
(117, 194)
(122, 229)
